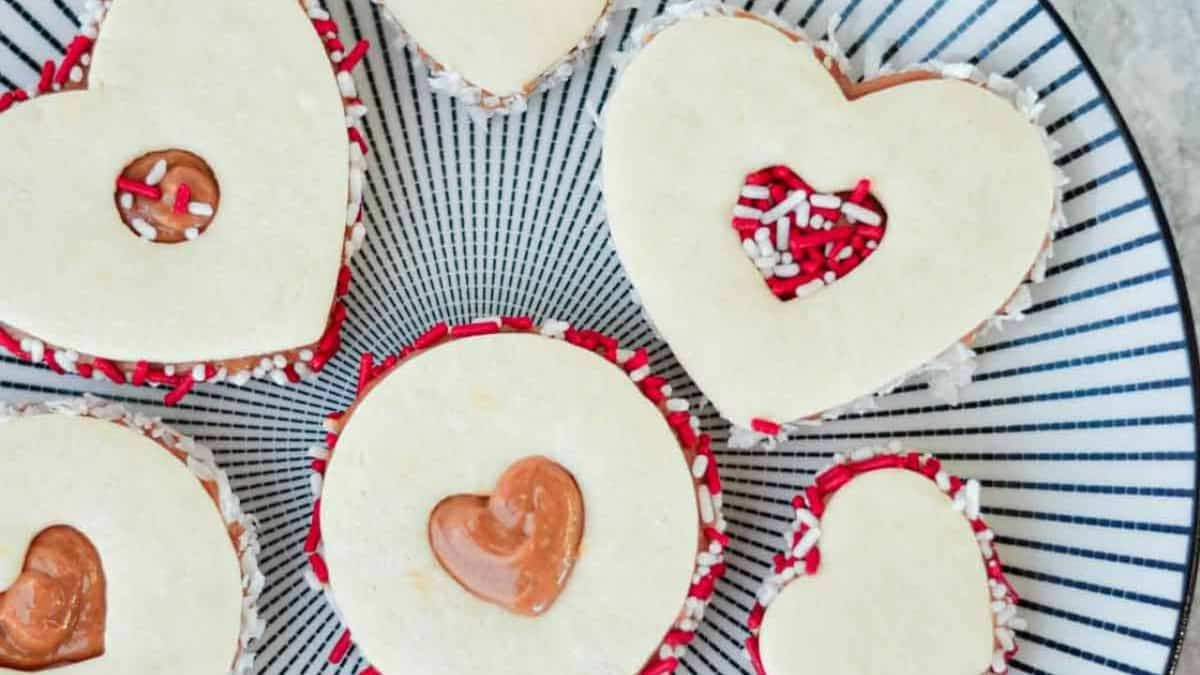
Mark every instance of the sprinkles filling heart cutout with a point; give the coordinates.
(800, 239)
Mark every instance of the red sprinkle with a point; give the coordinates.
(183, 197)
(6, 100)
(764, 426)
(860, 191)
(640, 358)
(325, 26)
(12, 344)
(432, 336)
(176, 395)
(343, 280)
(319, 465)
(365, 362)
(473, 329)
(350, 60)
(139, 373)
(357, 137)
(816, 502)
(75, 50)
(340, 648)
(661, 667)
(44, 82)
(290, 373)
(652, 386)
(319, 568)
(314, 530)
(517, 322)
(755, 658)
(370, 670)
(110, 369)
(756, 615)
(51, 362)
(137, 187)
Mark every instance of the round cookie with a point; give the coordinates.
(716, 100)
(495, 54)
(178, 581)
(888, 568)
(446, 422)
(158, 254)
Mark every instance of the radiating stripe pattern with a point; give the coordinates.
(1080, 422)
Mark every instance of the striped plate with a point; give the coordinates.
(1081, 422)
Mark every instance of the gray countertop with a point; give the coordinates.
(1146, 53)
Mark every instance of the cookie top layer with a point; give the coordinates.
(262, 107)
(905, 569)
(174, 585)
(450, 421)
(501, 47)
(964, 178)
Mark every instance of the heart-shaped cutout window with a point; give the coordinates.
(801, 239)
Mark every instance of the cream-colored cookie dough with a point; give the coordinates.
(173, 579)
(901, 589)
(451, 421)
(965, 179)
(247, 86)
(502, 47)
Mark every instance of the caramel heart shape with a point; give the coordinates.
(246, 86)
(55, 611)
(503, 48)
(516, 547)
(964, 175)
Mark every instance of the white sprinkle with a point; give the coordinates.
(817, 221)
(806, 543)
(768, 592)
(169, 369)
(704, 498)
(306, 355)
(824, 201)
(786, 258)
(699, 466)
(766, 249)
(781, 209)
(787, 271)
(782, 227)
(280, 361)
(665, 652)
(861, 214)
(192, 233)
(765, 263)
(750, 247)
(302, 369)
(35, 347)
(157, 172)
(829, 277)
(942, 480)
(126, 200)
(861, 454)
(240, 378)
(998, 663)
(756, 192)
(808, 518)
(346, 84)
(973, 495)
(1006, 638)
(987, 535)
(872, 244)
(808, 289)
(358, 234)
(76, 74)
(742, 211)
(265, 363)
(314, 483)
(677, 404)
(144, 229)
(1018, 623)
(317, 13)
(198, 372)
(762, 234)
(802, 214)
(706, 559)
(640, 374)
(555, 328)
(278, 377)
(220, 375)
(845, 253)
(86, 59)
(202, 209)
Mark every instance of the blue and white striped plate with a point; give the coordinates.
(1081, 422)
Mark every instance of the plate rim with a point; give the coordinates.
(1185, 312)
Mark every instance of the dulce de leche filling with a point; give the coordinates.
(54, 613)
(516, 547)
(168, 196)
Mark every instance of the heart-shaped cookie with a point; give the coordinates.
(494, 54)
(965, 179)
(517, 546)
(898, 547)
(54, 613)
(219, 131)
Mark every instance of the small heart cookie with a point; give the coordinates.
(493, 55)
(888, 568)
(138, 521)
(516, 546)
(962, 176)
(616, 520)
(193, 178)
(54, 612)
